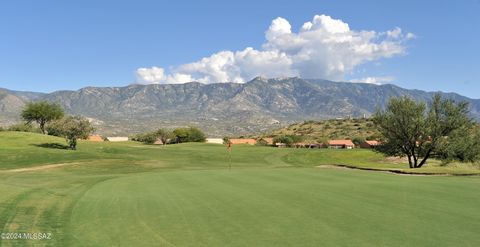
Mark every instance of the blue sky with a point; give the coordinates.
(55, 45)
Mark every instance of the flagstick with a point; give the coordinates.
(229, 150)
(230, 160)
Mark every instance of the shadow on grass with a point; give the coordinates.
(51, 145)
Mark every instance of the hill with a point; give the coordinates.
(222, 108)
(331, 129)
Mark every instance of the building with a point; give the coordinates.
(307, 145)
(369, 144)
(243, 141)
(95, 138)
(337, 144)
(117, 138)
(215, 140)
(280, 145)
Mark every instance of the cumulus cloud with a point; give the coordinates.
(322, 48)
(374, 80)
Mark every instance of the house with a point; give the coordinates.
(95, 138)
(215, 140)
(347, 144)
(243, 141)
(117, 138)
(369, 144)
(280, 145)
(307, 145)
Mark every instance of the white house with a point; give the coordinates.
(117, 138)
(215, 140)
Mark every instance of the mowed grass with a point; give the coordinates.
(129, 194)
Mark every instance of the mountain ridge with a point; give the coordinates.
(220, 108)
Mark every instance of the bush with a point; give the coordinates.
(190, 134)
(261, 142)
(24, 127)
(54, 129)
(283, 139)
(358, 140)
(148, 138)
(288, 140)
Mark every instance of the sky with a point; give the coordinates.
(66, 45)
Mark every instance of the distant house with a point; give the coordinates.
(95, 138)
(369, 144)
(347, 144)
(243, 141)
(280, 145)
(117, 138)
(215, 140)
(307, 145)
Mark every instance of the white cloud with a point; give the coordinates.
(323, 48)
(374, 80)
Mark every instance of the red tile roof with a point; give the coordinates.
(372, 143)
(243, 141)
(95, 138)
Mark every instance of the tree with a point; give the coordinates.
(73, 128)
(164, 135)
(190, 134)
(411, 129)
(42, 112)
(463, 145)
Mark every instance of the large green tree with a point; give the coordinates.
(418, 131)
(73, 128)
(190, 134)
(42, 112)
(164, 135)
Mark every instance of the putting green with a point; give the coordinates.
(278, 207)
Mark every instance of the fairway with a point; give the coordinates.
(129, 194)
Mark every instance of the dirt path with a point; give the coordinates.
(39, 168)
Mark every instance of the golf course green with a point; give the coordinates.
(194, 194)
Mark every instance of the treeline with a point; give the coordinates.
(166, 136)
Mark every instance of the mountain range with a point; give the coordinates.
(221, 108)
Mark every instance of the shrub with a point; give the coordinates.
(24, 127)
(288, 140)
(190, 134)
(261, 142)
(148, 138)
(358, 140)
